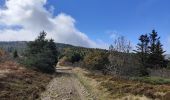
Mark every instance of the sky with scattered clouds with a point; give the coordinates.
(88, 23)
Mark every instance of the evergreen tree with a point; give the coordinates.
(53, 50)
(150, 51)
(153, 40)
(42, 54)
(15, 54)
(160, 54)
(142, 52)
(156, 58)
(142, 48)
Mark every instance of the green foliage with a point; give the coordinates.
(42, 54)
(75, 57)
(150, 51)
(77, 54)
(142, 49)
(96, 60)
(152, 80)
(72, 55)
(143, 53)
(15, 54)
(156, 57)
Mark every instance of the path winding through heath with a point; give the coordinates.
(65, 86)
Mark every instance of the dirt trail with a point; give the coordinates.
(65, 86)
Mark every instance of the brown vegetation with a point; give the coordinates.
(109, 87)
(19, 83)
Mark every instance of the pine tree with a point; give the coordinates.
(156, 57)
(153, 39)
(160, 57)
(42, 54)
(143, 52)
(150, 51)
(142, 48)
(53, 50)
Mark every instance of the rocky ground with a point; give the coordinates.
(65, 86)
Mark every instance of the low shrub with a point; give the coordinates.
(96, 60)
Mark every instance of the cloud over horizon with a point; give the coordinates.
(22, 20)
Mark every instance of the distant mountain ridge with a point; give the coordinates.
(20, 46)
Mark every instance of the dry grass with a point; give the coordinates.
(89, 84)
(109, 87)
(19, 83)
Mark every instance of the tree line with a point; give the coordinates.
(42, 54)
(121, 59)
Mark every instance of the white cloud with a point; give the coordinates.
(33, 17)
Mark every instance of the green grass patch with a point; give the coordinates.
(152, 80)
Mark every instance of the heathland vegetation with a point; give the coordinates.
(120, 70)
(121, 59)
(138, 71)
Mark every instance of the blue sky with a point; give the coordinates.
(126, 17)
(99, 19)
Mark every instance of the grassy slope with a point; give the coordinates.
(109, 87)
(18, 83)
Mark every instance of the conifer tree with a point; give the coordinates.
(42, 54)
(150, 51)
(156, 57)
(142, 48)
(153, 40)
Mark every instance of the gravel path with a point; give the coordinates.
(65, 86)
